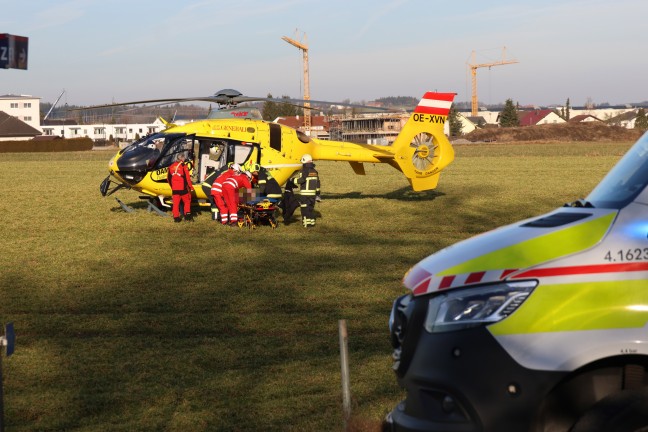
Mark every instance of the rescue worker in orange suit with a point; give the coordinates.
(268, 186)
(307, 192)
(211, 181)
(231, 188)
(217, 191)
(181, 187)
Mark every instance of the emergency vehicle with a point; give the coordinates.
(541, 325)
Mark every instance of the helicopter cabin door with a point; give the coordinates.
(243, 153)
(211, 157)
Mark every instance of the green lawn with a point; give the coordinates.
(129, 322)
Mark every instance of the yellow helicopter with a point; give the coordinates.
(234, 134)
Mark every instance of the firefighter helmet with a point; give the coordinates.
(306, 158)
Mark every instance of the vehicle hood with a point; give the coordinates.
(508, 250)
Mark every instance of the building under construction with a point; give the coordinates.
(379, 129)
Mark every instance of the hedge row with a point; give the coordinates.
(55, 145)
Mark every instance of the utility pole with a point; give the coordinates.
(304, 47)
(473, 71)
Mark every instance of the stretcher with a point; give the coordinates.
(252, 214)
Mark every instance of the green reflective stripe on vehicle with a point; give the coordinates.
(583, 306)
(539, 249)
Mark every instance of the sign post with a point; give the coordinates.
(8, 341)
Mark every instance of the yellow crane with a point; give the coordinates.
(302, 46)
(473, 72)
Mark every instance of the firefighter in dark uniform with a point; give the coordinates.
(307, 188)
(268, 186)
(206, 187)
(290, 202)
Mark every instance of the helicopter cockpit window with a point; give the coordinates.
(155, 141)
(175, 147)
(143, 153)
(242, 153)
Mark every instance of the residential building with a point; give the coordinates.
(101, 132)
(539, 117)
(23, 107)
(583, 118)
(14, 129)
(319, 125)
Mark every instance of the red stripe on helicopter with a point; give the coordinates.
(582, 270)
(435, 103)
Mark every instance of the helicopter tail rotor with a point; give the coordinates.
(422, 148)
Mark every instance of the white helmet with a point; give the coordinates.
(306, 158)
(235, 167)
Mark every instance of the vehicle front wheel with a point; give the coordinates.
(625, 411)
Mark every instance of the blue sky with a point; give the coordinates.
(101, 51)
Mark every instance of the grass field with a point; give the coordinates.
(129, 322)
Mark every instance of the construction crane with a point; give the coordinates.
(473, 71)
(302, 46)
(53, 105)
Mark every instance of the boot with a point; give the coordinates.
(177, 219)
(189, 217)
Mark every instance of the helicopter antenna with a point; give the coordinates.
(304, 47)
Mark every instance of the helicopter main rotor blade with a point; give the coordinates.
(233, 97)
(148, 101)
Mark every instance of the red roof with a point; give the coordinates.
(531, 118)
(582, 117)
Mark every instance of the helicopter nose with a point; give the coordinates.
(138, 159)
(133, 165)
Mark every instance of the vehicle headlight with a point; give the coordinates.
(475, 306)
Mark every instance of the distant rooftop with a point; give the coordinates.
(9, 96)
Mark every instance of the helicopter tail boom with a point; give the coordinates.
(422, 149)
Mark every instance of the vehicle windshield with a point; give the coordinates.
(625, 181)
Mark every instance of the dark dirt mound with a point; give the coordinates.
(555, 133)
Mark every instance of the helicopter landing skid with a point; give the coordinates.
(127, 209)
(153, 208)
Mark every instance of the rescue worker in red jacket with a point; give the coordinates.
(180, 180)
(231, 187)
(212, 183)
(217, 191)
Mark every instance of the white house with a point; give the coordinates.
(23, 107)
(103, 131)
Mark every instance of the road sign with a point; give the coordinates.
(13, 51)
